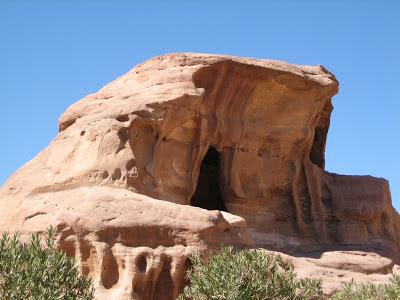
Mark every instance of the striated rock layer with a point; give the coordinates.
(121, 179)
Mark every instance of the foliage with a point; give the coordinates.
(246, 275)
(36, 271)
(368, 291)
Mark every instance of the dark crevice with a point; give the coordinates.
(142, 263)
(208, 192)
(317, 154)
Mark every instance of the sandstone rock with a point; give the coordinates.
(218, 132)
(335, 268)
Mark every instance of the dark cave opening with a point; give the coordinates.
(208, 191)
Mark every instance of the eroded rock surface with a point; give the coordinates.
(335, 268)
(218, 132)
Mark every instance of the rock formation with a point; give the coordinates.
(189, 151)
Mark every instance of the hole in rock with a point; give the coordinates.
(109, 270)
(142, 264)
(208, 191)
(123, 118)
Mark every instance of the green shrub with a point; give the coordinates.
(246, 275)
(368, 291)
(36, 271)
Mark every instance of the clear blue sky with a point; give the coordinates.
(52, 53)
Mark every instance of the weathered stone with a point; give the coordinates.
(218, 132)
(335, 268)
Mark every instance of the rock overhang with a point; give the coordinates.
(142, 139)
(267, 119)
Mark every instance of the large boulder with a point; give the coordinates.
(139, 173)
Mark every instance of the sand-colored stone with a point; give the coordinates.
(335, 268)
(119, 178)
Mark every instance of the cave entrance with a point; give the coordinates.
(208, 191)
